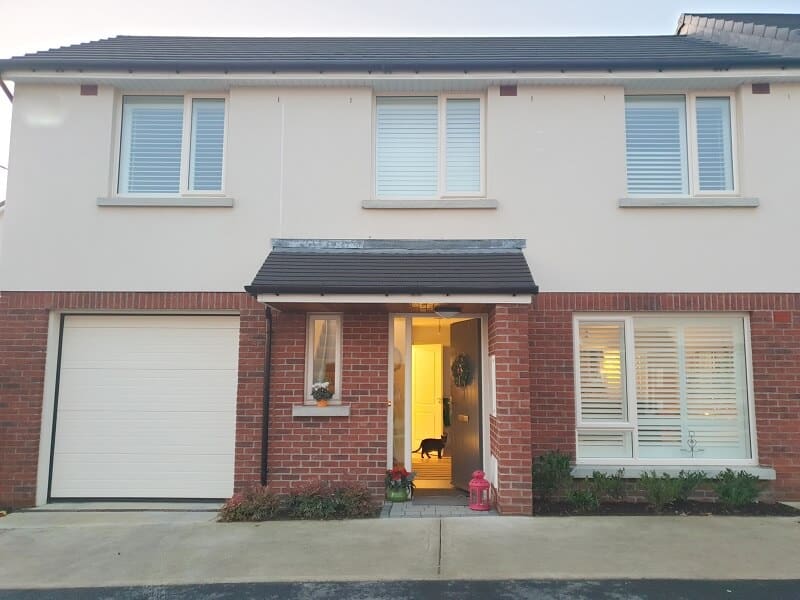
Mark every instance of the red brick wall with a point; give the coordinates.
(510, 430)
(775, 341)
(333, 448)
(23, 345)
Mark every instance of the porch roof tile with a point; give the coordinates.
(394, 267)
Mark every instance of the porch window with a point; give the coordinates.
(662, 390)
(324, 354)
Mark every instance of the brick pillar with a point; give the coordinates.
(510, 430)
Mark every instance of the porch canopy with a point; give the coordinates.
(394, 272)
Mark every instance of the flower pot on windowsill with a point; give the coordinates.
(322, 402)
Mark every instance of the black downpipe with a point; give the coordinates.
(265, 418)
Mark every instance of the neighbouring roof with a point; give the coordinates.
(790, 21)
(394, 267)
(232, 54)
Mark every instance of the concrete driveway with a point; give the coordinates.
(63, 550)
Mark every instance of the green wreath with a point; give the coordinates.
(462, 370)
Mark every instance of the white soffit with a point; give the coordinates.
(400, 82)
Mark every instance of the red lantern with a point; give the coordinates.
(479, 491)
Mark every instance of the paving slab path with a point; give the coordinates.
(70, 550)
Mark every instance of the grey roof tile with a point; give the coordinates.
(395, 267)
(387, 54)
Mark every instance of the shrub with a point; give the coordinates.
(583, 500)
(660, 491)
(608, 486)
(254, 504)
(551, 472)
(736, 489)
(321, 500)
(689, 480)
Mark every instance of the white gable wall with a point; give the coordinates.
(299, 164)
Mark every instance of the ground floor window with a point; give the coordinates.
(662, 389)
(324, 357)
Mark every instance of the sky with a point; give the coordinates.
(31, 25)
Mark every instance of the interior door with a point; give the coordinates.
(426, 394)
(464, 437)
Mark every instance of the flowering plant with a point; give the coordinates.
(398, 477)
(320, 391)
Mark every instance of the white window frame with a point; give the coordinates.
(442, 134)
(631, 426)
(692, 155)
(309, 367)
(186, 142)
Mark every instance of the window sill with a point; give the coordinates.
(635, 471)
(171, 201)
(694, 202)
(448, 203)
(307, 410)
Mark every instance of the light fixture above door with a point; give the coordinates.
(447, 312)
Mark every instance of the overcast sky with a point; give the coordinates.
(30, 25)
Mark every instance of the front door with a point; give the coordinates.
(464, 439)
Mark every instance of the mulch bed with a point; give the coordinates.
(688, 508)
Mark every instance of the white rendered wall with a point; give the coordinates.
(299, 164)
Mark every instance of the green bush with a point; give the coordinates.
(551, 472)
(608, 486)
(583, 500)
(736, 489)
(660, 491)
(254, 504)
(689, 480)
(321, 500)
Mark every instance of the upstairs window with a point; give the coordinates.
(428, 147)
(679, 145)
(171, 145)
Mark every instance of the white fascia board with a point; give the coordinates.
(479, 79)
(395, 298)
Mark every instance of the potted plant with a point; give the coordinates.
(399, 484)
(321, 393)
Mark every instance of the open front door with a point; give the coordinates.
(464, 438)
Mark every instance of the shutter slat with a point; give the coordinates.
(602, 382)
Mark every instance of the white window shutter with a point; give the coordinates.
(655, 130)
(463, 139)
(716, 389)
(407, 147)
(208, 136)
(150, 153)
(714, 148)
(602, 372)
(658, 389)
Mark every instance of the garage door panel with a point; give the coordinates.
(151, 348)
(146, 391)
(129, 432)
(179, 476)
(146, 407)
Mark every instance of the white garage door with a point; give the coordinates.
(146, 407)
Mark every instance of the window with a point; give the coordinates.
(324, 353)
(428, 147)
(670, 155)
(662, 390)
(171, 145)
